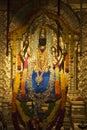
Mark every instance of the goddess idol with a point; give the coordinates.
(41, 72)
(39, 90)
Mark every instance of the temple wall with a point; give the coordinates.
(5, 70)
(83, 61)
(78, 106)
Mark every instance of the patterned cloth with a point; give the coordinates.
(43, 85)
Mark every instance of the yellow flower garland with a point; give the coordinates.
(15, 91)
(63, 80)
(57, 73)
(15, 102)
(16, 83)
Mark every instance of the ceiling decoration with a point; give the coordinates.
(27, 13)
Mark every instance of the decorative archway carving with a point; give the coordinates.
(26, 106)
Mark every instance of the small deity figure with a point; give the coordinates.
(25, 55)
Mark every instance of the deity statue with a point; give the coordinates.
(25, 52)
(24, 55)
(39, 93)
(41, 73)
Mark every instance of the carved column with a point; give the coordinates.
(5, 68)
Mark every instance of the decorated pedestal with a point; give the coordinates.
(78, 111)
(40, 107)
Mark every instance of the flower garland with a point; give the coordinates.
(23, 92)
(67, 63)
(50, 116)
(57, 88)
(17, 106)
(16, 83)
(63, 81)
(18, 62)
(57, 81)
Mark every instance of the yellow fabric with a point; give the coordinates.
(52, 115)
(22, 114)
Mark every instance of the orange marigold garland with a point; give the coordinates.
(67, 63)
(57, 82)
(57, 88)
(18, 62)
(23, 88)
(14, 107)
